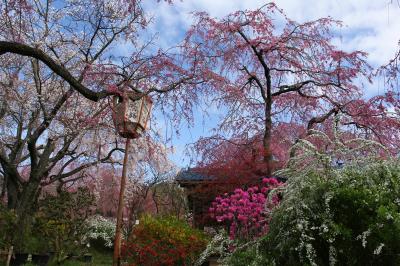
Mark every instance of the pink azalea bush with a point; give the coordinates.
(246, 213)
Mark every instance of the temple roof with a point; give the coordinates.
(190, 175)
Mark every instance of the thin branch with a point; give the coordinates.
(297, 87)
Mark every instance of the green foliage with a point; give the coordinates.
(7, 225)
(22, 241)
(242, 257)
(249, 255)
(61, 221)
(350, 218)
(163, 241)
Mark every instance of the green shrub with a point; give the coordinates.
(250, 255)
(7, 225)
(61, 221)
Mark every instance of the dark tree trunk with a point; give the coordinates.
(25, 209)
(3, 188)
(28, 199)
(13, 192)
(267, 139)
(268, 119)
(154, 198)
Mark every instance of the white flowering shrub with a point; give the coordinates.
(101, 230)
(323, 152)
(350, 218)
(232, 252)
(218, 246)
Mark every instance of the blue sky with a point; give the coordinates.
(371, 26)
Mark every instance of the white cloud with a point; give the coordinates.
(371, 26)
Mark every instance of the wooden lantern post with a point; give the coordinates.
(130, 118)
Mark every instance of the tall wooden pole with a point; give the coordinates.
(117, 240)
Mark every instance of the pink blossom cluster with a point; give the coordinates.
(246, 213)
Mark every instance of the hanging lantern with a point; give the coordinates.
(131, 114)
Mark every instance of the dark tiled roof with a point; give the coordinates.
(190, 175)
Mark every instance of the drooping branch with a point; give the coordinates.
(60, 70)
(26, 50)
(82, 167)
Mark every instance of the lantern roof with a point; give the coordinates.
(133, 95)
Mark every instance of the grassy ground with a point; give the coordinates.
(100, 258)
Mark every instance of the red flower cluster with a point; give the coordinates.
(163, 242)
